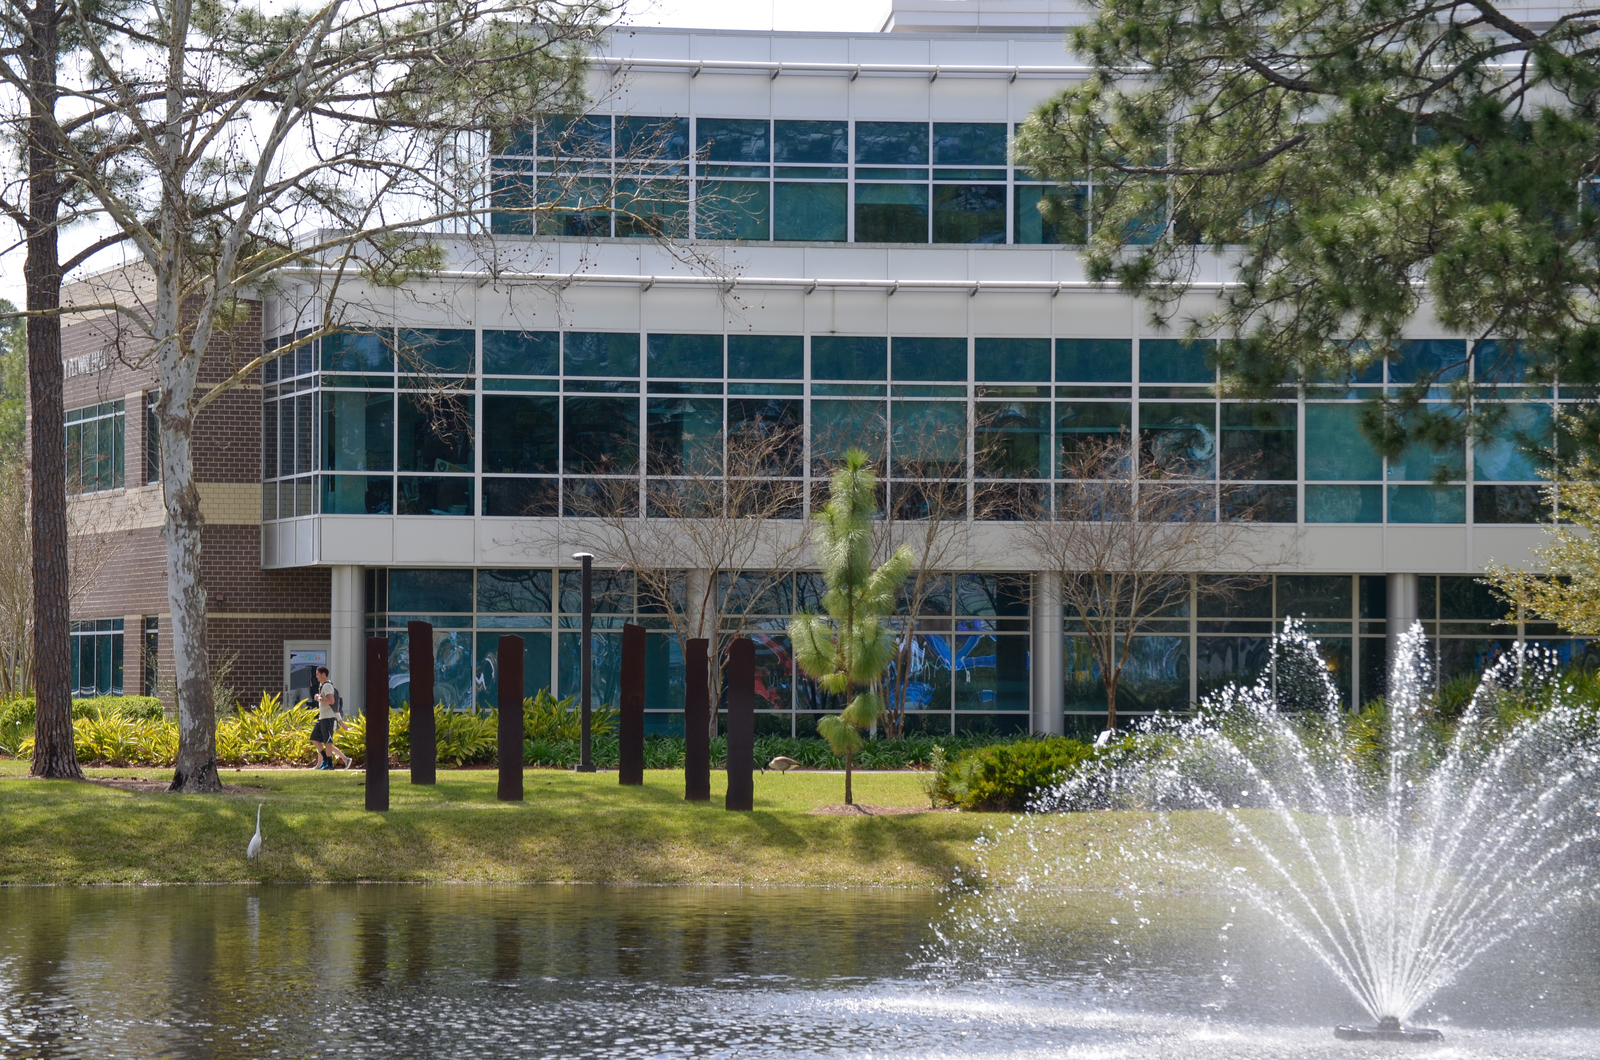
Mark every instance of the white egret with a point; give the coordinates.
(254, 849)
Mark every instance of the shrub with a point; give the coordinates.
(1007, 777)
(544, 717)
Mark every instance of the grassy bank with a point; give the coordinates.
(571, 827)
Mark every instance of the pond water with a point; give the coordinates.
(484, 972)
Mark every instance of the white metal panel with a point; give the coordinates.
(649, 92)
(888, 50)
(876, 98)
(423, 539)
(928, 313)
(1427, 549)
(1011, 313)
(600, 308)
(1509, 545)
(305, 542)
(1341, 548)
(847, 263)
(678, 309)
(357, 539)
(928, 263)
(968, 99)
(970, 52)
(730, 95)
(766, 312)
(831, 311)
(1096, 314)
(1012, 263)
(750, 46)
(811, 96)
(787, 48)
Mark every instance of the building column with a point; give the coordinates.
(1048, 669)
(347, 656)
(1402, 593)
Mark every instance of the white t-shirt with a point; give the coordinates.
(325, 710)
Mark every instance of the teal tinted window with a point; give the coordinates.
(969, 143)
(357, 431)
(430, 591)
(1012, 439)
(820, 142)
(652, 139)
(357, 495)
(575, 137)
(445, 351)
(891, 213)
(1068, 220)
(969, 213)
(1083, 423)
(521, 435)
(1421, 462)
(514, 591)
(357, 352)
(838, 426)
(733, 139)
(435, 433)
(1501, 362)
(1011, 360)
(601, 353)
(1429, 359)
(930, 438)
(649, 209)
(892, 143)
(576, 207)
(521, 353)
(1174, 361)
(1258, 441)
(1178, 438)
(526, 497)
(810, 212)
(1094, 360)
(683, 436)
(1513, 453)
(1314, 596)
(1343, 504)
(601, 435)
(685, 356)
(929, 359)
(1336, 448)
(848, 357)
(766, 357)
(1427, 504)
(511, 198)
(733, 209)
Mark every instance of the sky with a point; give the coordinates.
(826, 15)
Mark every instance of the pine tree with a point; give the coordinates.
(847, 648)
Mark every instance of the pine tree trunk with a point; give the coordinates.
(196, 767)
(849, 798)
(54, 753)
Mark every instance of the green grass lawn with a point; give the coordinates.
(572, 827)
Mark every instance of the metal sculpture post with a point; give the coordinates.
(376, 709)
(424, 742)
(631, 724)
(510, 704)
(696, 723)
(741, 724)
(586, 691)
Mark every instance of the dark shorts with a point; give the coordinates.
(324, 730)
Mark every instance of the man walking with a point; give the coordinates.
(329, 718)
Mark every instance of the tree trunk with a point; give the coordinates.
(849, 798)
(1111, 700)
(54, 754)
(196, 767)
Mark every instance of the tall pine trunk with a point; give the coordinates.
(849, 796)
(54, 752)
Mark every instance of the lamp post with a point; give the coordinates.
(585, 654)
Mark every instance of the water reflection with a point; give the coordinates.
(484, 972)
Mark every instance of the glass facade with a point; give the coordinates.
(95, 440)
(777, 180)
(969, 652)
(461, 422)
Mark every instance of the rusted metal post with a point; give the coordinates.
(741, 724)
(424, 742)
(376, 709)
(630, 734)
(510, 703)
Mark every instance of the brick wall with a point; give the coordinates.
(251, 611)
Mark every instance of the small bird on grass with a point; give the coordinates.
(254, 849)
(782, 764)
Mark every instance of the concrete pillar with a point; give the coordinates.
(1048, 666)
(1402, 593)
(347, 634)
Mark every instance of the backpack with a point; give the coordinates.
(338, 698)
